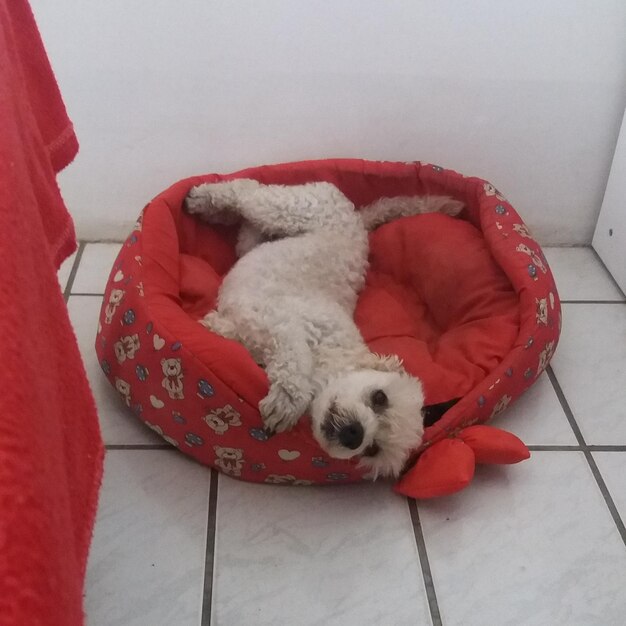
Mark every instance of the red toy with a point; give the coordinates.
(469, 304)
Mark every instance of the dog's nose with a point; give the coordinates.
(351, 435)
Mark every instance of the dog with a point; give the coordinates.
(290, 299)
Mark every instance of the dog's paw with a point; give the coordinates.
(198, 200)
(217, 202)
(279, 410)
(202, 202)
(209, 202)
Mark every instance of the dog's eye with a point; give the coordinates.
(379, 398)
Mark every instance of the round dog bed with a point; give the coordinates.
(469, 304)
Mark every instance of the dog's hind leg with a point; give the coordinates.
(275, 210)
(385, 210)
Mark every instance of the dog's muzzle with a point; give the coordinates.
(348, 435)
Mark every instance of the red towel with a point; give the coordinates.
(50, 446)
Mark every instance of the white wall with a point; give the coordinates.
(527, 94)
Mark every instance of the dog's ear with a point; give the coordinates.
(385, 363)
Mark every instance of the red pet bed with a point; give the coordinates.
(469, 304)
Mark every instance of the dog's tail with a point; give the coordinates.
(387, 209)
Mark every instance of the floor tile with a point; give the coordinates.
(537, 417)
(532, 544)
(95, 267)
(612, 466)
(64, 271)
(315, 555)
(580, 276)
(118, 424)
(590, 365)
(146, 565)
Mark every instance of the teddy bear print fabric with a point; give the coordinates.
(164, 383)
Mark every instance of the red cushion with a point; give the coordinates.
(494, 446)
(444, 468)
(435, 297)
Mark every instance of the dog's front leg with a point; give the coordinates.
(289, 370)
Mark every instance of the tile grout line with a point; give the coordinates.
(566, 408)
(608, 499)
(549, 448)
(564, 448)
(67, 292)
(593, 301)
(607, 495)
(209, 558)
(429, 585)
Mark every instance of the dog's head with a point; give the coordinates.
(374, 413)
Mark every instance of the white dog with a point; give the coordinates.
(290, 301)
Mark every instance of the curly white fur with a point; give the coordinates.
(290, 301)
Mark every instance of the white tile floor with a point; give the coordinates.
(540, 544)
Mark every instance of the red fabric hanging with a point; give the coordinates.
(50, 446)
